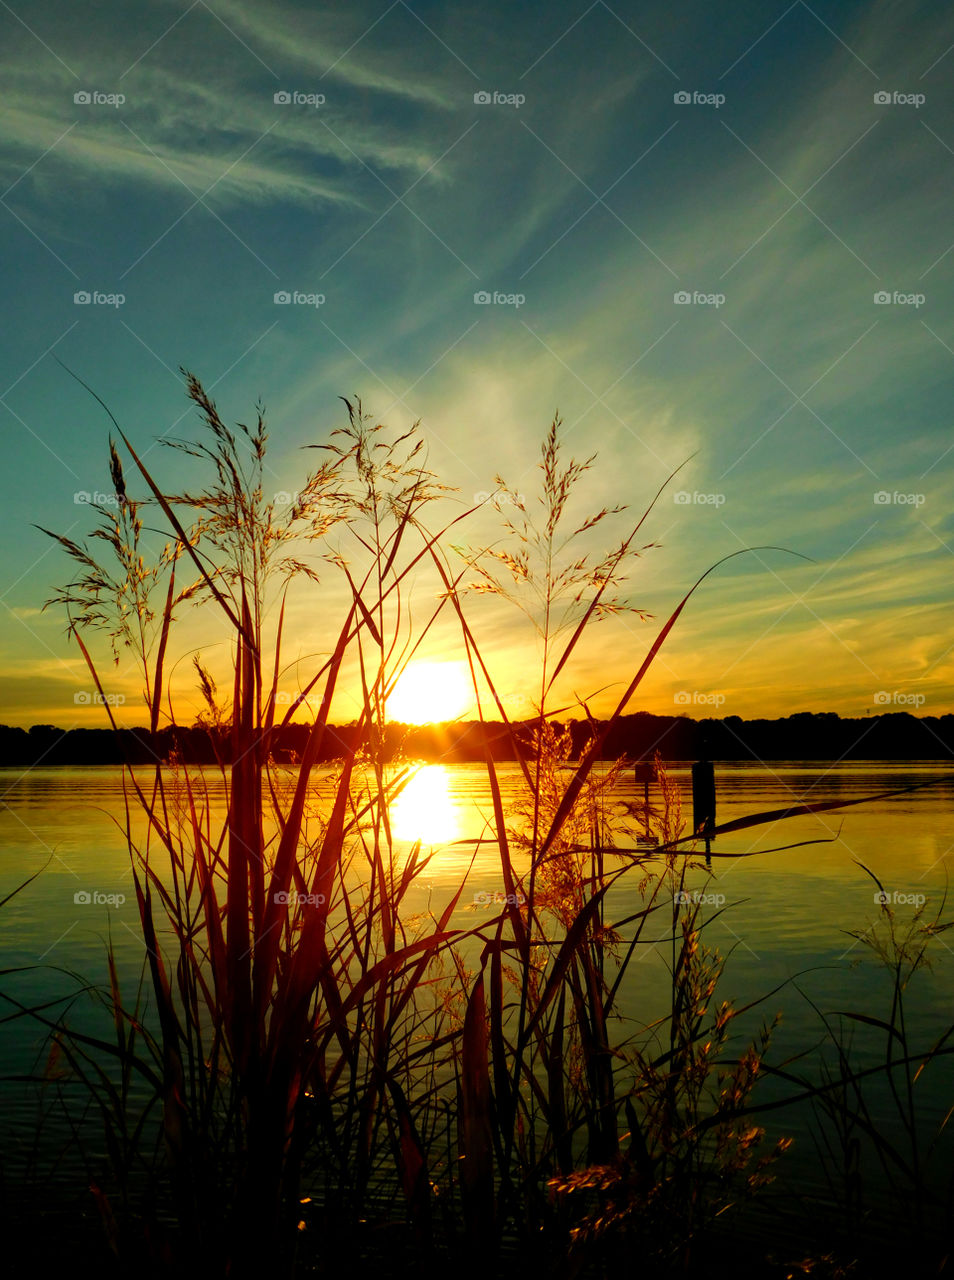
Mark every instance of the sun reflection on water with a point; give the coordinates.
(424, 810)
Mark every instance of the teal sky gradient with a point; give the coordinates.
(808, 379)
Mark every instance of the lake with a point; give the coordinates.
(784, 919)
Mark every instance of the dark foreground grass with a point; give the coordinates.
(318, 1077)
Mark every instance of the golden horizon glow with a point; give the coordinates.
(424, 810)
(430, 692)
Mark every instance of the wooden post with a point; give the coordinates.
(645, 773)
(703, 801)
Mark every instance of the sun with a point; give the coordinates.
(430, 692)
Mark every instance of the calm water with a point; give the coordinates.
(787, 921)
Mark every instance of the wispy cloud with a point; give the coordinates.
(597, 202)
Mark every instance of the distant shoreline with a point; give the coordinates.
(809, 736)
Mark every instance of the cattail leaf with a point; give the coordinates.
(568, 949)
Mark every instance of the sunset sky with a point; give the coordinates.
(714, 233)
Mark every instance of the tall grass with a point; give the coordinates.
(282, 969)
(869, 1126)
(337, 1071)
(564, 1090)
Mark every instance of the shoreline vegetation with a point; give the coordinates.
(313, 1074)
(821, 736)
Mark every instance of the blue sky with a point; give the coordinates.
(727, 229)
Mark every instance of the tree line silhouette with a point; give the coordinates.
(803, 736)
